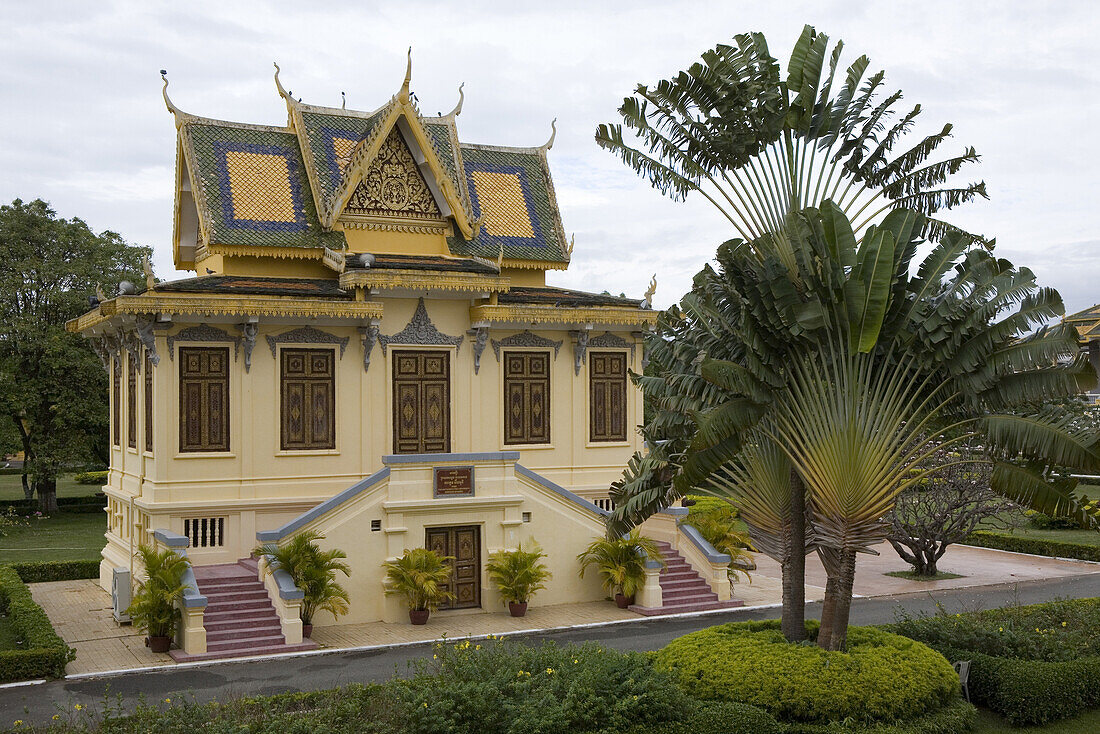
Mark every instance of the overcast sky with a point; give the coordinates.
(82, 124)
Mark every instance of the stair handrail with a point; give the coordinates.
(283, 580)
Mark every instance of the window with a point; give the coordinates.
(116, 400)
(607, 395)
(131, 404)
(148, 403)
(526, 397)
(205, 532)
(204, 399)
(308, 399)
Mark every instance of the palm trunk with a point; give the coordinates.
(831, 561)
(842, 612)
(793, 620)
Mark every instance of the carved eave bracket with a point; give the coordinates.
(144, 330)
(306, 335)
(203, 333)
(525, 339)
(248, 336)
(420, 331)
(369, 335)
(580, 349)
(481, 337)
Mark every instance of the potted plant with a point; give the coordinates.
(314, 572)
(154, 608)
(518, 574)
(419, 575)
(620, 562)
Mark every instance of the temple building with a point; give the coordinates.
(1087, 324)
(369, 350)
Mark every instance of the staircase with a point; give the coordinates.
(682, 589)
(240, 619)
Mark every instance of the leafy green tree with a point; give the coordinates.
(812, 357)
(53, 391)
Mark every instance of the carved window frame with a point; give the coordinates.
(504, 384)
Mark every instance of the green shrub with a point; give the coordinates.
(714, 717)
(91, 477)
(44, 654)
(881, 677)
(1035, 546)
(705, 504)
(1032, 664)
(955, 718)
(547, 689)
(87, 504)
(35, 571)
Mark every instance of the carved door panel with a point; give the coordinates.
(464, 543)
(421, 402)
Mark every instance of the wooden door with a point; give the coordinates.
(421, 402)
(464, 543)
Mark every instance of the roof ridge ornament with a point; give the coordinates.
(403, 95)
(279, 85)
(176, 111)
(569, 248)
(553, 134)
(458, 107)
(647, 301)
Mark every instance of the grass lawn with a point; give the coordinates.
(911, 576)
(1084, 537)
(7, 635)
(67, 536)
(11, 487)
(990, 723)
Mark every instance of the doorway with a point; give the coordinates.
(464, 543)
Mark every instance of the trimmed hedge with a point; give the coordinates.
(716, 717)
(91, 477)
(86, 504)
(881, 677)
(956, 718)
(35, 571)
(1035, 546)
(44, 654)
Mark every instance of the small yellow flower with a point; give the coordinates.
(519, 674)
(56, 717)
(1000, 629)
(78, 706)
(575, 661)
(18, 722)
(168, 700)
(435, 657)
(477, 647)
(1036, 629)
(425, 704)
(549, 671)
(1063, 624)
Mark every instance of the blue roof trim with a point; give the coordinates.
(274, 536)
(450, 458)
(538, 240)
(544, 482)
(221, 148)
(701, 543)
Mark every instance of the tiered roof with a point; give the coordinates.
(1086, 322)
(286, 191)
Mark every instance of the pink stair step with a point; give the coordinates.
(239, 622)
(250, 633)
(182, 657)
(239, 642)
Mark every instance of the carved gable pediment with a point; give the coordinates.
(393, 187)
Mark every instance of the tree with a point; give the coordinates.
(761, 147)
(944, 509)
(53, 391)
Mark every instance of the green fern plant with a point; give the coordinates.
(419, 575)
(518, 574)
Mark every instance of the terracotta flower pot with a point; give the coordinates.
(623, 601)
(419, 616)
(517, 608)
(307, 630)
(159, 643)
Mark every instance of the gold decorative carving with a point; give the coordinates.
(393, 184)
(421, 280)
(562, 315)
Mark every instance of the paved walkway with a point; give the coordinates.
(81, 611)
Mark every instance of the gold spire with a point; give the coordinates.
(458, 107)
(403, 95)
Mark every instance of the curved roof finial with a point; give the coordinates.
(404, 93)
(343, 101)
(553, 134)
(461, 98)
(176, 111)
(279, 85)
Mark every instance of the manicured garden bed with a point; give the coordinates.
(42, 653)
(1031, 665)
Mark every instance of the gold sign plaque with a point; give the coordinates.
(454, 481)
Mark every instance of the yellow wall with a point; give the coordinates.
(255, 486)
(404, 243)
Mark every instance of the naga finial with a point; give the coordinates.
(651, 290)
(500, 258)
(403, 95)
(458, 107)
(99, 294)
(168, 102)
(343, 101)
(572, 244)
(150, 279)
(553, 134)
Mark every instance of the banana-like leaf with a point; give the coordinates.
(1048, 437)
(1026, 486)
(869, 289)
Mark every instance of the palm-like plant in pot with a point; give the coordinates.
(420, 575)
(155, 609)
(314, 572)
(620, 563)
(518, 574)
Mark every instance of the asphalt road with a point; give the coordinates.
(224, 681)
